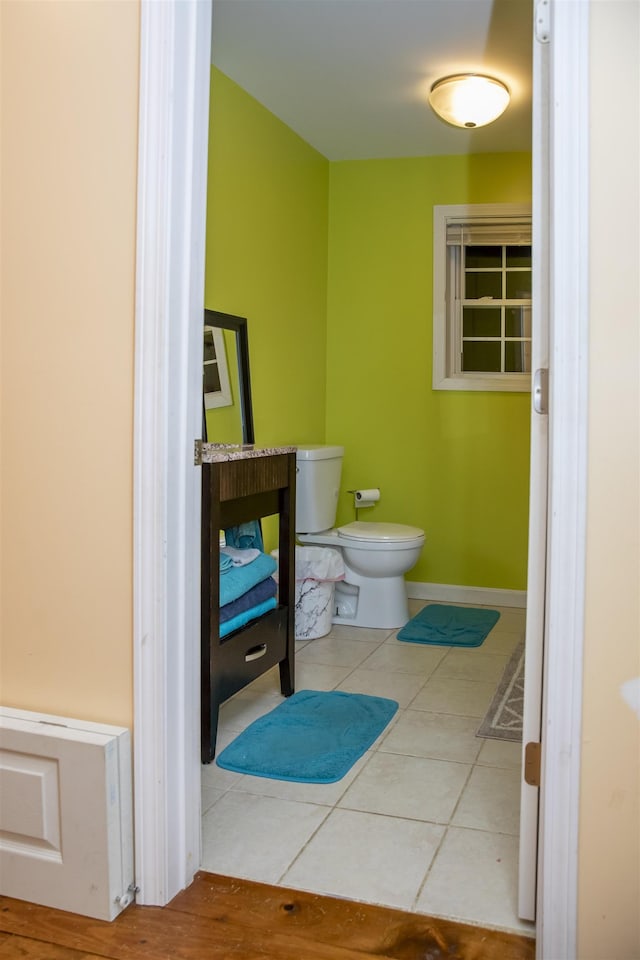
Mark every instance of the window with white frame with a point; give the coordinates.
(482, 297)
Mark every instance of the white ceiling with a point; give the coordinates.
(351, 77)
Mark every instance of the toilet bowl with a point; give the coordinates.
(376, 555)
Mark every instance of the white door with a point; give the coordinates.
(66, 838)
(536, 576)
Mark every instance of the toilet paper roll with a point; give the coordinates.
(366, 498)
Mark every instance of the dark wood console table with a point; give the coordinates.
(238, 485)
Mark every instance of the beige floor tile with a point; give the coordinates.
(340, 631)
(466, 698)
(268, 682)
(366, 857)
(415, 606)
(256, 837)
(475, 878)
(490, 801)
(408, 787)
(511, 618)
(502, 643)
(418, 733)
(501, 753)
(209, 796)
(237, 713)
(213, 777)
(319, 676)
(472, 664)
(335, 653)
(395, 656)
(401, 687)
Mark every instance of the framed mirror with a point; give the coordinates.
(227, 409)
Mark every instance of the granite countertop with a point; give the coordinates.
(220, 452)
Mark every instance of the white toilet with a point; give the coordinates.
(376, 555)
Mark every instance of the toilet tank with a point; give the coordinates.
(317, 487)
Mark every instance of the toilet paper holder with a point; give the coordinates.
(364, 498)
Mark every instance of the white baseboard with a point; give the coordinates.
(450, 593)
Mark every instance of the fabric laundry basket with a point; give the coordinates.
(317, 570)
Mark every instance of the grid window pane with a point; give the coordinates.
(481, 321)
(517, 321)
(482, 285)
(483, 293)
(517, 357)
(518, 256)
(209, 346)
(483, 257)
(480, 356)
(519, 285)
(211, 378)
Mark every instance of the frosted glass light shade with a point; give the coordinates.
(469, 100)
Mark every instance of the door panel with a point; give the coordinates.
(66, 838)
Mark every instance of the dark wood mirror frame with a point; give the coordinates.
(228, 321)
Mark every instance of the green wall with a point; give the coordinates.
(332, 266)
(455, 464)
(266, 259)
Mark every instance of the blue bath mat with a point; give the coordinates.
(312, 737)
(449, 626)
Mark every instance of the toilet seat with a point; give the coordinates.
(379, 532)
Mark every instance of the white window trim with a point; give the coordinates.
(442, 379)
(221, 397)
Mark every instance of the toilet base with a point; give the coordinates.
(382, 602)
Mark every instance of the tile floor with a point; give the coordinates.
(427, 820)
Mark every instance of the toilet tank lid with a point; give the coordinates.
(318, 451)
(396, 532)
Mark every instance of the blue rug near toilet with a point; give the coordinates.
(448, 626)
(312, 737)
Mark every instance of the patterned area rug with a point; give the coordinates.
(503, 720)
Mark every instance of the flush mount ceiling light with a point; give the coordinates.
(469, 99)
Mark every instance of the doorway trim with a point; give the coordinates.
(175, 57)
(564, 606)
(174, 89)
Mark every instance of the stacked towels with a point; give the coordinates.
(247, 587)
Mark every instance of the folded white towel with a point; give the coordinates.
(240, 558)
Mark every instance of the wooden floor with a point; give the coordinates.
(218, 917)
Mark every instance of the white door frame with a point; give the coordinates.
(174, 92)
(564, 607)
(175, 56)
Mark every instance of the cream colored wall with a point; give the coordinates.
(69, 141)
(609, 853)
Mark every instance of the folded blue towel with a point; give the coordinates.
(237, 580)
(244, 536)
(225, 562)
(262, 591)
(244, 618)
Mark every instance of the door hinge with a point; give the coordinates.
(532, 754)
(197, 453)
(543, 21)
(541, 391)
